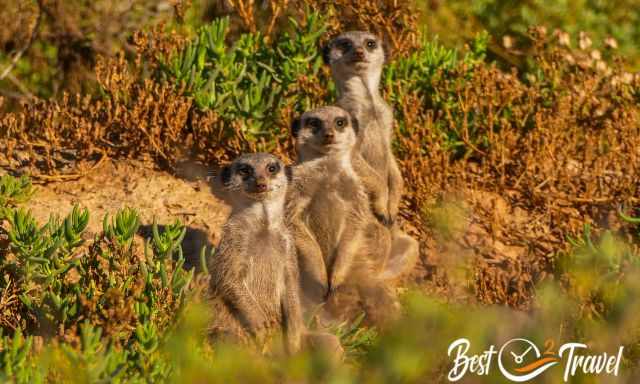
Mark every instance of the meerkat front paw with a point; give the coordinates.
(393, 216)
(260, 335)
(332, 287)
(329, 292)
(385, 220)
(382, 214)
(335, 283)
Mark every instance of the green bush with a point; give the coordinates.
(262, 83)
(105, 302)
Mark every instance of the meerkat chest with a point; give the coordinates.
(331, 208)
(375, 130)
(376, 115)
(341, 187)
(267, 257)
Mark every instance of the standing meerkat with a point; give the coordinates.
(254, 271)
(356, 59)
(332, 215)
(336, 235)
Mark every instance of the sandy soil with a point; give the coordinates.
(153, 193)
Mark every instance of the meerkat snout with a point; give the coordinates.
(255, 176)
(325, 130)
(354, 52)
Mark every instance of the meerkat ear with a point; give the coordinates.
(295, 127)
(355, 124)
(288, 172)
(225, 175)
(386, 49)
(326, 52)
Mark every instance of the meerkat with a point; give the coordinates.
(337, 237)
(356, 59)
(330, 233)
(254, 272)
(335, 228)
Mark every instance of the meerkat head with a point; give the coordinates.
(355, 53)
(257, 176)
(325, 131)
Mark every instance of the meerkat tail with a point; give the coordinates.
(402, 258)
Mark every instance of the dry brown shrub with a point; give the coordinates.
(543, 157)
(135, 118)
(69, 36)
(396, 21)
(156, 44)
(17, 18)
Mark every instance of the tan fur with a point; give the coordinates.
(335, 232)
(326, 344)
(254, 273)
(329, 233)
(356, 68)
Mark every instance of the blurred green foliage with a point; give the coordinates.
(457, 20)
(105, 302)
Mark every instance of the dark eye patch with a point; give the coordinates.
(295, 127)
(344, 45)
(225, 175)
(314, 123)
(245, 170)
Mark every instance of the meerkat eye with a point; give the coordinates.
(341, 122)
(314, 124)
(244, 170)
(344, 45)
(372, 44)
(273, 168)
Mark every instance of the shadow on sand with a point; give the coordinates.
(194, 240)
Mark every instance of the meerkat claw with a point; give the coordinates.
(329, 293)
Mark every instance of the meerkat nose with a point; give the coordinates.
(329, 136)
(261, 184)
(359, 52)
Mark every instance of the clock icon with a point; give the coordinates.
(520, 360)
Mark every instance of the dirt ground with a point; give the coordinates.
(153, 193)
